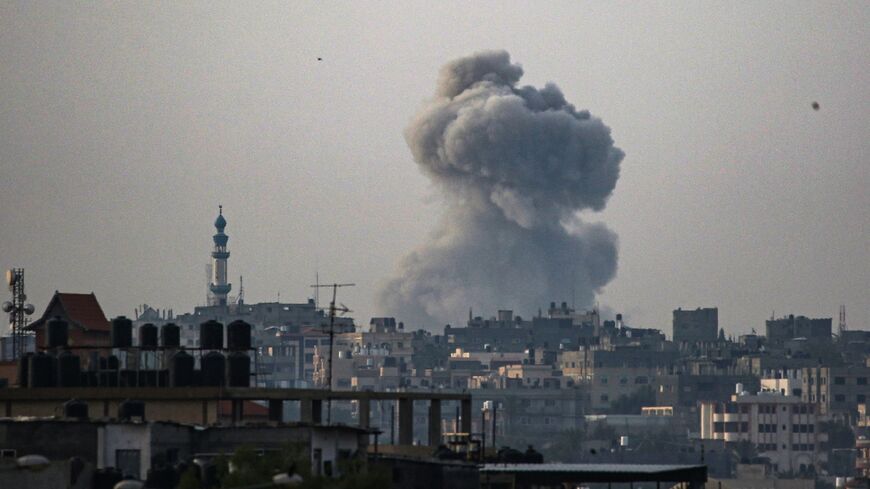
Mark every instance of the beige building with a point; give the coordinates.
(783, 429)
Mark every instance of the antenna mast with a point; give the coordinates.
(18, 311)
(842, 326)
(332, 310)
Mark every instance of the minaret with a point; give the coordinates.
(219, 287)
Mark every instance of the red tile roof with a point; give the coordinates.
(249, 408)
(81, 310)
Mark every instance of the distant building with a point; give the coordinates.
(783, 429)
(838, 390)
(696, 326)
(88, 325)
(780, 330)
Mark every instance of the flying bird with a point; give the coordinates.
(319, 59)
(815, 106)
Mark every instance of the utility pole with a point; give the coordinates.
(332, 310)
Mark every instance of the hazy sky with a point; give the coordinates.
(123, 126)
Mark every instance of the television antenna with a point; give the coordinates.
(333, 309)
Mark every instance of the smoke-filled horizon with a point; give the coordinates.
(515, 165)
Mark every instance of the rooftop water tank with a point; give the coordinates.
(24, 369)
(42, 371)
(238, 370)
(148, 336)
(57, 333)
(211, 335)
(131, 410)
(170, 335)
(181, 370)
(213, 366)
(75, 408)
(69, 370)
(239, 335)
(122, 332)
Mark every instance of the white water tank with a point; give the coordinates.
(739, 389)
(623, 441)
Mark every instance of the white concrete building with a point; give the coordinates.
(783, 429)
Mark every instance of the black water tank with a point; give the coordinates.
(106, 478)
(24, 369)
(238, 369)
(57, 333)
(239, 335)
(69, 370)
(129, 378)
(148, 336)
(211, 335)
(122, 332)
(181, 370)
(90, 379)
(147, 378)
(42, 370)
(130, 409)
(75, 408)
(170, 335)
(213, 367)
(161, 477)
(109, 378)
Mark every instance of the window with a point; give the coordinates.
(603, 380)
(604, 398)
(839, 380)
(623, 380)
(840, 398)
(861, 381)
(861, 398)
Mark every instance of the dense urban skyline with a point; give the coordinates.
(126, 126)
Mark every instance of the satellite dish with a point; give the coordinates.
(7, 306)
(29, 309)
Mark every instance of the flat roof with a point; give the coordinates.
(213, 393)
(555, 473)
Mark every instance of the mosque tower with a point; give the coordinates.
(219, 287)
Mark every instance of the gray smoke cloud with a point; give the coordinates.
(515, 166)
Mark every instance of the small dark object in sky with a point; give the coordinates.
(815, 106)
(319, 59)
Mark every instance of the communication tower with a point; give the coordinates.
(18, 311)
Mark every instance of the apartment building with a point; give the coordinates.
(783, 429)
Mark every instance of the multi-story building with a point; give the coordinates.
(699, 325)
(838, 390)
(783, 429)
(786, 328)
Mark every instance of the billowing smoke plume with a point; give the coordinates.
(515, 165)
